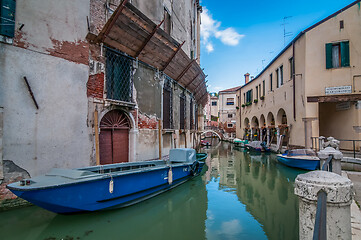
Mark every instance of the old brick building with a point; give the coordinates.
(91, 82)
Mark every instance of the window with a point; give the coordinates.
(259, 89)
(291, 67)
(230, 101)
(7, 18)
(230, 115)
(167, 22)
(256, 92)
(264, 88)
(182, 111)
(214, 103)
(244, 98)
(191, 120)
(270, 82)
(249, 96)
(279, 74)
(341, 24)
(119, 77)
(337, 55)
(167, 104)
(230, 125)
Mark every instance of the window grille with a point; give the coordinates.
(119, 76)
(167, 104)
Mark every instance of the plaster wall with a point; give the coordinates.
(277, 98)
(56, 135)
(317, 76)
(225, 109)
(214, 109)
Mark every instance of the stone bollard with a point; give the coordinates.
(336, 158)
(339, 197)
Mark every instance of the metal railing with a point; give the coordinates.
(320, 230)
(316, 144)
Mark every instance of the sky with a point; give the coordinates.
(240, 36)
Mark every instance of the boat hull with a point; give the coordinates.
(306, 164)
(94, 195)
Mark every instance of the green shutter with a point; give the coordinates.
(7, 17)
(328, 55)
(345, 54)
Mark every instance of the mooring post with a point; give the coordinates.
(331, 148)
(338, 201)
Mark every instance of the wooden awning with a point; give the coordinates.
(335, 98)
(130, 31)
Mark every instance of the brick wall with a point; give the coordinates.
(95, 85)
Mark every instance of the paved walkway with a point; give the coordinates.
(355, 177)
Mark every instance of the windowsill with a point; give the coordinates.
(121, 103)
(338, 68)
(165, 131)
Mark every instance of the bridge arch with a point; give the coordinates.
(219, 135)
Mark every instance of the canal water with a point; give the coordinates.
(241, 195)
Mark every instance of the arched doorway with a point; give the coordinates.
(114, 137)
(281, 117)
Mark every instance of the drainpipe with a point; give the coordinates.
(294, 80)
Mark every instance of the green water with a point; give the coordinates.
(242, 195)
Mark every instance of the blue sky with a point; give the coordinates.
(244, 36)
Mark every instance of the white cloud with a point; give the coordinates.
(209, 47)
(211, 28)
(229, 36)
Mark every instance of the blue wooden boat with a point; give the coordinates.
(107, 186)
(300, 158)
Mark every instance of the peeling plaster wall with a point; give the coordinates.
(56, 135)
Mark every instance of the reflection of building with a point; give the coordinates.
(267, 194)
(227, 111)
(211, 111)
(311, 88)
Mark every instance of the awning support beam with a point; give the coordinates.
(118, 12)
(171, 58)
(185, 70)
(148, 38)
(199, 73)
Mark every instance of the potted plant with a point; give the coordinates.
(262, 98)
(243, 105)
(255, 101)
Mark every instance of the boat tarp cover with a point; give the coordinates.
(301, 152)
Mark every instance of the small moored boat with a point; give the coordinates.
(106, 186)
(300, 158)
(257, 146)
(201, 156)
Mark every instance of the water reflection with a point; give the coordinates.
(177, 214)
(264, 187)
(242, 195)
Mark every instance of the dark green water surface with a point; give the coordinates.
(241, 195)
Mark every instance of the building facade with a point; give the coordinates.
(97, 82)
(227, 100)
(311, 89)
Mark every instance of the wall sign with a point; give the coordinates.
(338, 90)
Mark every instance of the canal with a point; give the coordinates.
(242, 195)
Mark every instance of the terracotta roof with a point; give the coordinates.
(230, 89)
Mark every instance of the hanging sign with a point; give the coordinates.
(338, 90)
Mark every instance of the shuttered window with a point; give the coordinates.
(167, 105)
(249, 96)
(182, 109)
(337, 55)
(191, 118)
(7, 18)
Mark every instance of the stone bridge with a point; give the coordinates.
(215, 132)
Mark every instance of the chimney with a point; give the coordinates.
(246, 78)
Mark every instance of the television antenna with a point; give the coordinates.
(285, 34)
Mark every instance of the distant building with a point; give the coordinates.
(227, 100)
(311, 89)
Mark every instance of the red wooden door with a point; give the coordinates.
(114, 138)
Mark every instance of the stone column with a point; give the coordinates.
(278, 136)
(251, 136)
(339, 197)
(268, 137)
(336, 158)
(260, 134)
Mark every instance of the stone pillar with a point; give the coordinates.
(278, 136)
(339, 197)
(268, 137)
(251, 136)
(336, 158)
(260, 134)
